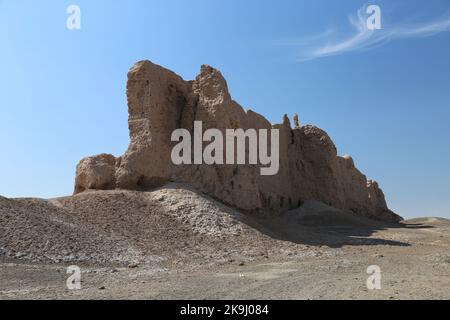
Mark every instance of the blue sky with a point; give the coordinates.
(385, 100)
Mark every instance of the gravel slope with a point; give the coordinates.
(172, 224)
(177, 243)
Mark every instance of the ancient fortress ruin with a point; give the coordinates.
(159, 101)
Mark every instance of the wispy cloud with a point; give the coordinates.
(332, 43)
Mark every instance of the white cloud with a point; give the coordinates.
(331, 43)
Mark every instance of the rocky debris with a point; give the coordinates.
(169, 225)
(159, 101)
(45, 231)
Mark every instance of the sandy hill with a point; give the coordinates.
(172, 224)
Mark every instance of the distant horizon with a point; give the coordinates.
(384, 98)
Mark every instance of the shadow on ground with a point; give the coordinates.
(334, 229)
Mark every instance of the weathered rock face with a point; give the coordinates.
(96, 173)
(159, 102)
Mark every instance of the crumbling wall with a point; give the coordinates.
(159, 101)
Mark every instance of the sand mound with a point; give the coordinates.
(313, 213)
(119, 227)
(170, 225)
(39, 230)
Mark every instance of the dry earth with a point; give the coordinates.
(175, 243)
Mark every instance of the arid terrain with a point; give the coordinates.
(176, 243)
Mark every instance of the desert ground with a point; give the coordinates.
(176, 243)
